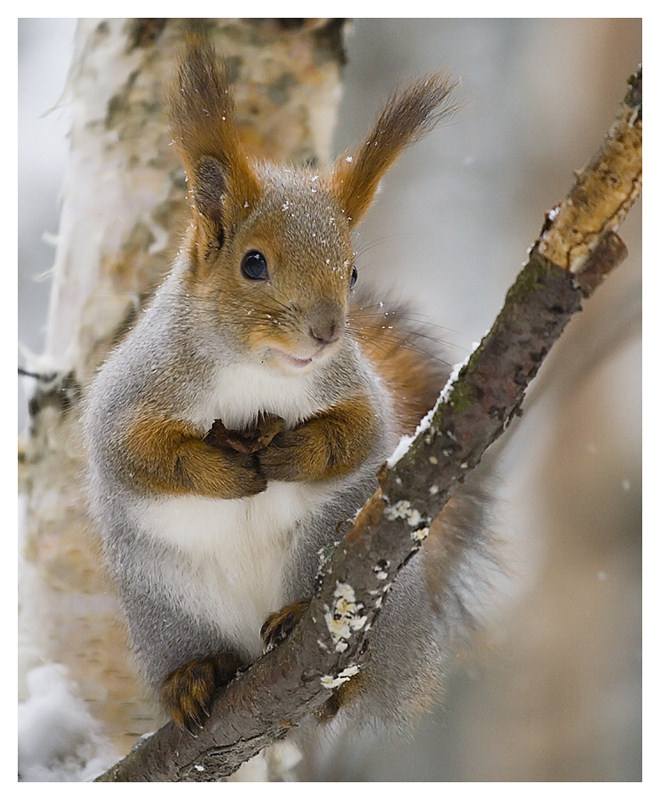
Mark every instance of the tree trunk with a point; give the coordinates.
(122, 217)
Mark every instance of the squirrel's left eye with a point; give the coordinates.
(353, 277)
(254, 266)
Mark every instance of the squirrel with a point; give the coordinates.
(244, 417)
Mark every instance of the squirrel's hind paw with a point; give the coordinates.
(279, 625)
(189, 691)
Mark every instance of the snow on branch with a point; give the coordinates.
(576, 249)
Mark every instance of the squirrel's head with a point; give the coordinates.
(270, 246)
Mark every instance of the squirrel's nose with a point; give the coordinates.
(326, 321)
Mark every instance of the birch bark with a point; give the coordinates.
(124, 203)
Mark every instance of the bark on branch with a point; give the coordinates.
(577, 247)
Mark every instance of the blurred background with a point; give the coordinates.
(556, 692)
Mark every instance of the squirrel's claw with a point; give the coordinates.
(189, 691)
(249, 441)
(279, 625)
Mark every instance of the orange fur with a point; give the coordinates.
(222, 181)
(328, 446)
(407, 365)
(188, 692)
(409, 114)
(279, 624)
(168, 455)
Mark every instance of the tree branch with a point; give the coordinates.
(577, 248)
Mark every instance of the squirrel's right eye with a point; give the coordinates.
(254, 266)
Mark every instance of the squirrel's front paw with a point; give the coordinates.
(249, 441)
(246, 477)
(188, 692)
(280, 624)
(238, 474)
(286, 457)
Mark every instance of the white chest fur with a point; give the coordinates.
(233, 553)
(243, 391)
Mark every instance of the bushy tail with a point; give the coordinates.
(405, 354)
(435, 609)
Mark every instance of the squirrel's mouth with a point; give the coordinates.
(301, 363)
(294, 361)
(292, 364)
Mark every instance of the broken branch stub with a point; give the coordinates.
(604, 190)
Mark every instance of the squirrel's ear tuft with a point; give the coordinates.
(408, 115)
(206, 136)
